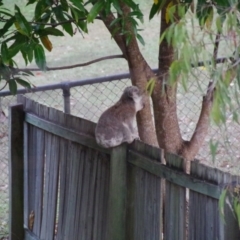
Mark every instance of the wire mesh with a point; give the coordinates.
(89, 101)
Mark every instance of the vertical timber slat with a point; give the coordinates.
(204, 218)
(144, 197)
(16, 119)
(117, 194)
(175, 204)
(52, 143)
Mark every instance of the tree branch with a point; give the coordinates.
(216, 47)
(191, 148)
(117, 37)
(63, 22)
(71, 66)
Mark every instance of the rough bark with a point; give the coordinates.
(164, 99)
(191, 148)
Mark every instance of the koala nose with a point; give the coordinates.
(143, 105)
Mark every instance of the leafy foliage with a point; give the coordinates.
(230, 197)
(31, 37)
(218, 25)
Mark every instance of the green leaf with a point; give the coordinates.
(23, 83)
(30, 50)
(156, 8)
(24, 55)
(223, 7)
(131, 4)
(216, 112)
(213, 149)
(162, 37)
(40, 58)
(237, 210)
(68, 28)
(117, 6)
(141, 40)
(50, 31)
(83, 26)
(219, 24)
(31, 2)
(64, 5)
(15, 48)
(59, 14)
(128, 39)
(74, 14)
(116, 20)
(5, 11)
(150, 86)
(40, 8)
(61, 18)
(221, 204)
(97, 7)
(204, 13)
(4, 53)
(29, 73)
(7, 25)
(78, 4)
(12, 86)
(22, 24)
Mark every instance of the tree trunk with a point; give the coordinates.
(165, 106)
(164, 96)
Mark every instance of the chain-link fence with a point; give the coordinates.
(89, 98)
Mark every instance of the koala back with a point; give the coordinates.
(111, 127)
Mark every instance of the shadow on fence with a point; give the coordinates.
(64, 186)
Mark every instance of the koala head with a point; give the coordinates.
(136, 95)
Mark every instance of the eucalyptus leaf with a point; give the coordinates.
(12, 86)
(40, 58)
(23, 83)
(95, 10)
(221, 203)
(24, 27)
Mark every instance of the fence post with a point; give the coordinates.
(66, 98)
(117, 194)
(16, 119)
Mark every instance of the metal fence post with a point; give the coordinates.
(66, 98)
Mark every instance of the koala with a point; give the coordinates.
(116, 124)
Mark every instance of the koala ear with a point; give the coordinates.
(130, 93)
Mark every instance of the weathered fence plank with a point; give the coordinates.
(50, 188)
(175, 203)
(144, 196)
(117, 194)
(39, 145)
(204, 219)
(30, 166)
(16, 119)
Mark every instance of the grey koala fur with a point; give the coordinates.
(116, 124)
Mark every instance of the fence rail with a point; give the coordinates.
(106, 194)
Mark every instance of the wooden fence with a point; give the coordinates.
(64, 186)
